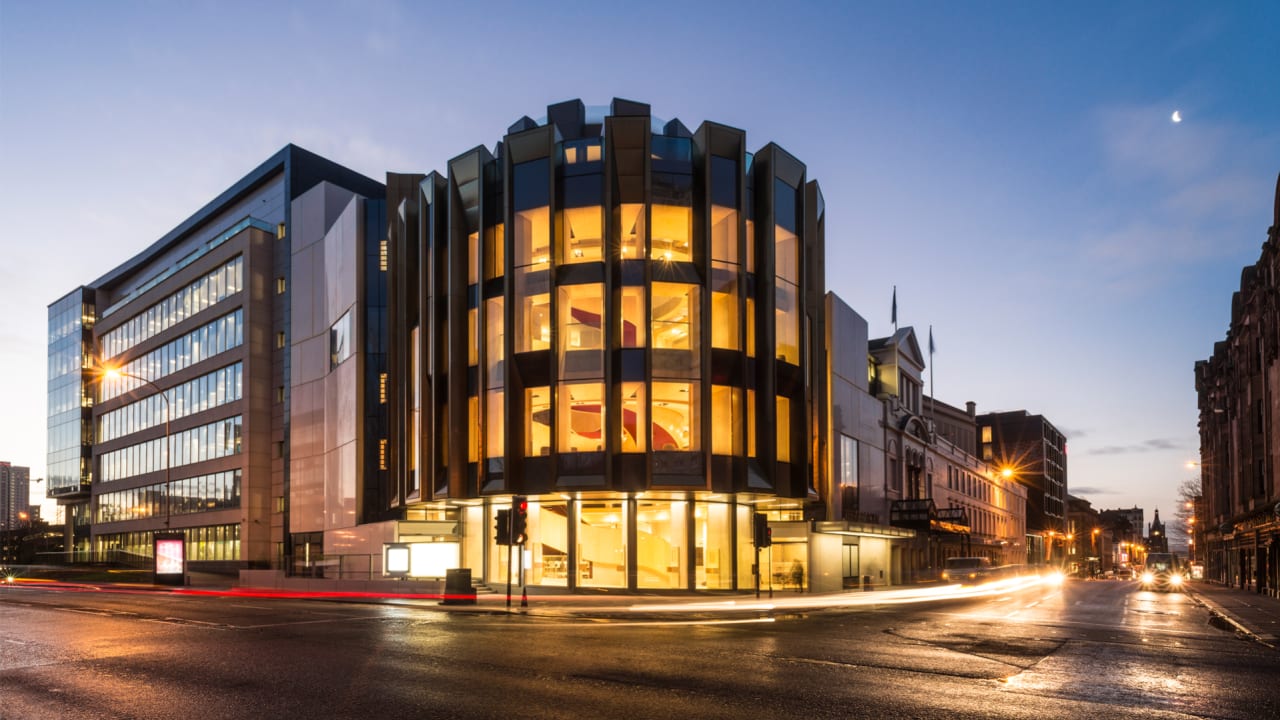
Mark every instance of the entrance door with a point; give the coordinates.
(852, 566)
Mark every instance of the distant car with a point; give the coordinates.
(1162, 573)
(966, 569)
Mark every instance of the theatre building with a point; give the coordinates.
(621, 320)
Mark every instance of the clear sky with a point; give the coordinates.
(1013, 167)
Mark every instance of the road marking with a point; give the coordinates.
(304, 622)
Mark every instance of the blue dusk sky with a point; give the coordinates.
(1013, 168)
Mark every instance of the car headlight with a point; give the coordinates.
(1148, 577)
(1175, 579)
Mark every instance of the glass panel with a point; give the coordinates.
(726, 408)
(633, 417)
(473, 429)
(783, 421)
(629, 230)
(494, 342)
(713, 545)
(581, 309)
(495, 433)
(746, 551)
(473, 343)
(674, 326)
(671, 217)
(340, 339)
(602, 544)
(660, 544)
(531, 201)
(849, 477)
(580, 417)
(787, 317)
(494, 252)
(583, 230)
(533, 238)
(533, 317)
(537, 436)
(725, 331)
(751, 423)
(473, 258)
(549, 533)
(786, 243)
(675, 420)
(724, 234)
(633, 324)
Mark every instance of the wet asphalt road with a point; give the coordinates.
(1084, 650)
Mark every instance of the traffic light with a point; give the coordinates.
(519, 520)
(761, 532)
(503, 527)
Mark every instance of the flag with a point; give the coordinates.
(932, 348)
(893, 316)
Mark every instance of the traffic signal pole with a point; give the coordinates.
(508, 577)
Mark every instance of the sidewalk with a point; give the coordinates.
(1252, 614)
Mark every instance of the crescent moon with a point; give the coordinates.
(1176, 116)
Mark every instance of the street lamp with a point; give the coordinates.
(113, 373)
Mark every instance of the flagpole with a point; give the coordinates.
(933, 392)
(894, 311)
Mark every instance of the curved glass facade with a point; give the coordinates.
(597, 351)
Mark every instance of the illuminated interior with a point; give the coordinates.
(629, 227)
(582, 236)
(672, 228)
(674, 410)
(580, 417)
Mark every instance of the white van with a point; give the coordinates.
(966, 569)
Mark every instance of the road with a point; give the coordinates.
(1086, 649)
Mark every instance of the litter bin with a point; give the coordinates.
(457, 587)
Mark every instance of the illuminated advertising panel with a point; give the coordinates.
(433, 559)
(396, 561)
(171, 558)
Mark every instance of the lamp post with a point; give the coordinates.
(111, 372)
(1093, 545)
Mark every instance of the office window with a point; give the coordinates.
(341, 338)
(675, 416)
(580, 417)
(629, 230)
(634, 428)
(674, 320)
(280, 286)
(537, 422)
(530, 185)
(581, 330)
(726, 411)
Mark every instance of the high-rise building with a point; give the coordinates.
(15, 495)
(1036, 453)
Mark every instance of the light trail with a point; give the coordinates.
(861, 599)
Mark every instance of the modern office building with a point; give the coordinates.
(212, 329)
(1238, 388)
(15, 495)
(1036, 453)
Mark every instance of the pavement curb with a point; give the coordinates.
(1217, 611)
